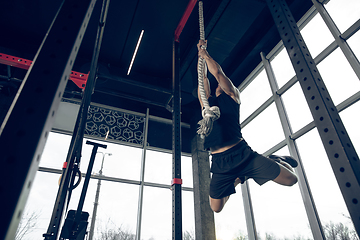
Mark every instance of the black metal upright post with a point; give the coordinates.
(74, 227)
(341, 153)
(176, 146)
(74, 153)
(30, 118)
(87, 177)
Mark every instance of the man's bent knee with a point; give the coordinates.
(294, 180)
(217, 209)
(291, 180)
(286, 177)
(217, 204)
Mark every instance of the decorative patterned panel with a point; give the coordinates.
(116, 125)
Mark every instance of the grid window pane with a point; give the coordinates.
(124, 162)
(117, 209)
(264, 131)
(296, 107)
(55, 151)
(158, 167)
(188, 213)
(325, 190)
(157, 214)
(282, 67)
(250, 101)
(230, 223)
(354, 44)
(340, 8)
(316, 35)
(338, 76)
(186, 171)
(350, 118)
(277, 208)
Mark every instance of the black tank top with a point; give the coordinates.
(227, 127)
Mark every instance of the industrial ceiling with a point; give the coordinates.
(236, 30)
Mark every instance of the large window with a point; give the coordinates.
(279, 212)
(118, 201)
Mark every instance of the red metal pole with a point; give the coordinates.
(184, 19)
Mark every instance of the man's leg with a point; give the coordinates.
(287, 176)
(218, 204)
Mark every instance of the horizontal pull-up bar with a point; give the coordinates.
(184, 19)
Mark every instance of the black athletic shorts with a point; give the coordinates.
(239, 161)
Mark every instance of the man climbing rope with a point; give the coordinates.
(233, 161)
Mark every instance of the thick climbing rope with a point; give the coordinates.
(209, 114)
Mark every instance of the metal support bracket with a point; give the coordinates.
(78, 78)
(176, 181)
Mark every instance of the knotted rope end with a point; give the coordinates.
(206, 124)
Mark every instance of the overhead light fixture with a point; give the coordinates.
(135, 52)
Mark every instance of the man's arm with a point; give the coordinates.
(215, 69)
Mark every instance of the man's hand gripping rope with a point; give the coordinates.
(210, 114)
